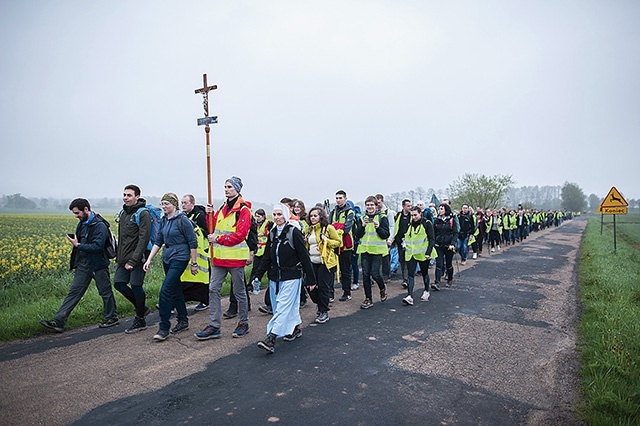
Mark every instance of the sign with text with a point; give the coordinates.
(613, 210)
(208, 120)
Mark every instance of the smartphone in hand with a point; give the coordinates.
(71, 235)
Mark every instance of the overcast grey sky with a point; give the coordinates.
(367, 96)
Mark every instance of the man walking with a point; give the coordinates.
(341, 218)
(88, 261)
(231, 224)
(402, 220)
(467, 228)
(134, 231)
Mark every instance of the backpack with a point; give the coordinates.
(288, 237)
(156, 216)
(111, 246)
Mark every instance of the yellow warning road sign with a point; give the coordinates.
(613, 210)
(614, 200)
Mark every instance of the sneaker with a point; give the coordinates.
(241, 329)
(265, 309)
(180, 326)
(425, 296)
(209, 332)
(345, 297)
(475, 256)
(269, 343)
(464, 262)
(435, 287)
(493, 249)
(201, 307)
(383, 293)
(331, 300)
(53, 325)
(139, 324)
(322, 318)
(405, 284)
(354, 287)
(408, 301)
(366, 304)
(109, 323)
(229, 315)
(498, 248)
(297, 333)
(161, 335)
(448, 284)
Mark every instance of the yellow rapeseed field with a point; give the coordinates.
(33, 246)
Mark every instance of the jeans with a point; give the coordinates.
(171, 293)
(463, 248)
(411, 272)
(81, 280)
(371, 265)
(445, 256)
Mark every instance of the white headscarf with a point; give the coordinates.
(285, 211)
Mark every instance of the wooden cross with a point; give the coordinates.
(205, 94)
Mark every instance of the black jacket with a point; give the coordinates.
(467, 225)
(445, 231)
(292, 257)
(92, 238)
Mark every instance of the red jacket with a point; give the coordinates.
(242, 229)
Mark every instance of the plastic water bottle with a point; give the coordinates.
(256, 286)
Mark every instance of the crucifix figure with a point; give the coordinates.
(205, 103)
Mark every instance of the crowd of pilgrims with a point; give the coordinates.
(347, 243)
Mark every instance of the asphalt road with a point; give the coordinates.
(497, 348)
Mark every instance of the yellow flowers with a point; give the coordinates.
(33, 246)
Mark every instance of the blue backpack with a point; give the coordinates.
(156, 216)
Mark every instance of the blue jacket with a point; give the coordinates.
(92, 236)
(178, 238)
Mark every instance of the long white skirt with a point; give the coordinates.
(286, 307)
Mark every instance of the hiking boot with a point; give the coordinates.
(201, 307)
(265, 309)
(139, 324)
(322, 318)
(53, 325)
(241, 329)
(109, 323)
(435, 286)
(425, 296)
(408, 301)
(209, 332)
(366, 304)
(383, 293)
(345, 297)
(297, 333)
(269, 343)
(229, 315)
(180, 326)
(405, 284)
(161, 335)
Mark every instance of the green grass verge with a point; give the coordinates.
(610, 325)
(23, 303)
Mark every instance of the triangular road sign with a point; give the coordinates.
(614, 199)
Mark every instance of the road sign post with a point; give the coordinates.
(614, 203)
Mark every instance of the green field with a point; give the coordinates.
(610, 324)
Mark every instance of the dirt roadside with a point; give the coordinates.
(522, 348)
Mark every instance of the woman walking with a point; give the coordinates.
(285, 259)
(322, 241)
(445, 238)
(418, 250)
(180, 244)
